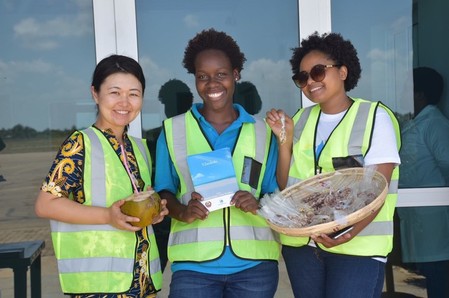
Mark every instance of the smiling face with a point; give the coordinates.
(119, 102)
(215, 79)
(331, 88)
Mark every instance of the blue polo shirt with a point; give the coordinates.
(166, 178)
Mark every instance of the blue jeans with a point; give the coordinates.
(319, 274)
(259, 281)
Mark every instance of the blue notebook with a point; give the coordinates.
(213, 177)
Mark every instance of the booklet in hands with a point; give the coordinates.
(213, 177)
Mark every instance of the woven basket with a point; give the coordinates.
(346, 177)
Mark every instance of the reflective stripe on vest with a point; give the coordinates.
(100, 258)
(98, 265)
(250, 236)
(375, 239)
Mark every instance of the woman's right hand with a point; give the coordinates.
(119, 220)
(194, 209)
(283, 131)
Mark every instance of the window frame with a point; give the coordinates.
(116, 32)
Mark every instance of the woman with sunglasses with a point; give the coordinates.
(338, 131)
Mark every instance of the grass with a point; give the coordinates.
(38, 144)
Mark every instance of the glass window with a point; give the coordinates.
(47, 55)
(391, 44)
(383, 39)
(265, 31)
(399, 55)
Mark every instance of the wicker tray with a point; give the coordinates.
(350, 177)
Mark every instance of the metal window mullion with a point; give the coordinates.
(116, 33)
(314, 15)
(104, 26)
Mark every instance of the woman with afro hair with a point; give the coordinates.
(228, 252)
(338, 131)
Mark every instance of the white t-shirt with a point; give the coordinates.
(383, 144)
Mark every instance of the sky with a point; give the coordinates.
(47, 53)
(266, 45)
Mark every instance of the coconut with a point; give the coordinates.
(144, 205)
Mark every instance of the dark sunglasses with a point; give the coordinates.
(317, 73)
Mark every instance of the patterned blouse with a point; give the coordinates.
(65, 179)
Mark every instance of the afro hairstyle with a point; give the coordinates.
(213, 40)
(336, 48)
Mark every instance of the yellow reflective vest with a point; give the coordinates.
(248, 235)
(352, 136)
(100, 258)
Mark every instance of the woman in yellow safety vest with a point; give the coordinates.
(228, 252)
(99, 252)
(337, 131)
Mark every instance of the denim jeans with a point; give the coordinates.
(437, 278)
(259, 281)
(319, 274)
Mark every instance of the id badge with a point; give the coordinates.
(352, 161)
(251, 172)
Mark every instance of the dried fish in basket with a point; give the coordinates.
(325, 203)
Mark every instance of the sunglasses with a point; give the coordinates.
(317, 73)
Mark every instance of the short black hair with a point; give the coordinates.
(336, 48)
(429, 82)
(115, 64)
(216, 40)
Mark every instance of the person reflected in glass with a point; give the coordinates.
(248, 97)
(177, 99)
(229, 252)
(425, 163)
(99, 252)
(338, 127)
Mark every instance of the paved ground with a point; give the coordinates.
(18, 223)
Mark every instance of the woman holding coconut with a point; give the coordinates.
(101, 251)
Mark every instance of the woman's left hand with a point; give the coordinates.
(245, 201)
(282, 129)
(330, 242)
(162, 214)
